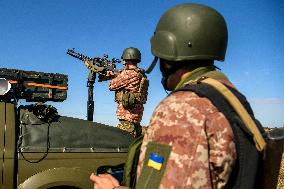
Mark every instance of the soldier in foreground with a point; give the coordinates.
(131, 89)
(193, 140)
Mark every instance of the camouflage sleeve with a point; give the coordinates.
(203, 151)
(126, 79)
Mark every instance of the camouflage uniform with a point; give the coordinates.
(203, 151)
(130, 118)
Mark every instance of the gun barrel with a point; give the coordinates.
(77, 55)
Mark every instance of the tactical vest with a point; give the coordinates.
(129, 98)
(248, 170)
(142, 95)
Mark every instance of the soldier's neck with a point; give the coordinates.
(131, 67)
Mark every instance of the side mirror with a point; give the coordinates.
(5, 86)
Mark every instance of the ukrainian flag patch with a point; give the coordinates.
(155, 161)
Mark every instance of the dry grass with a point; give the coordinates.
(281, 175)
(280, 184)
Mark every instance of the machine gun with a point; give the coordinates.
(97, 64)
(33, 86)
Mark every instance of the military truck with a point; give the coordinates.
(43, 150)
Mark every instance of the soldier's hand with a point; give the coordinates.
(107, 75)
(104, 181)
(87, 62)
(110, 73)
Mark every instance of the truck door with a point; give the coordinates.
(7, 146)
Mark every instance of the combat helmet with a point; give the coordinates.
(131, 53)
(190, 32)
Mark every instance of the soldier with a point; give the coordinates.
(131, 89)
(190, 142)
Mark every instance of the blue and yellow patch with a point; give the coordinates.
(155, 161)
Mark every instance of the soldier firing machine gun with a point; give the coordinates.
(95, 65)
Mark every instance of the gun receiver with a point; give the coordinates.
(96, 64)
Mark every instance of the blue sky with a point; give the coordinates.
(35, 35)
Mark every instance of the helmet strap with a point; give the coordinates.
(152, 65)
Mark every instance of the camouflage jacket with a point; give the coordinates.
(128, 80)
(202, 142)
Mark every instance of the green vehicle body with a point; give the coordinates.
(76, 149)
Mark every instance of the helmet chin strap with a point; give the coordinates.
(152, 65)
(164, 78)
(164, 83)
